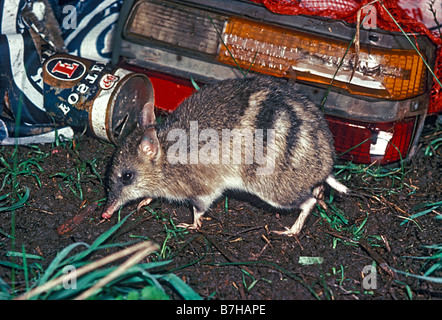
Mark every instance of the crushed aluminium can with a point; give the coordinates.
(100, 98)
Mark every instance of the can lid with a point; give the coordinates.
(115, 111)
(128, 104)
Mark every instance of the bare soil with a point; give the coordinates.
(235, 256)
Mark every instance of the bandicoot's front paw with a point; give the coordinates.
(143, 203)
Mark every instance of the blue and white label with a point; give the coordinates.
(89, 27)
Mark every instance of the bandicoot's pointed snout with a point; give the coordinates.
(111, 207)
(109, 210)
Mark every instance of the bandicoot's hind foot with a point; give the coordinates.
(306, 208)
(288, 232)
(189, 226)
(308, 205)
(197, 221)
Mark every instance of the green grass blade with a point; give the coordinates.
(4, 197)
(21, 255)
(58, 261)
(181, 287)
(195, 85)
(11, 265)
(434, 206)
(101, 239)
(18, 204)
(426, 278)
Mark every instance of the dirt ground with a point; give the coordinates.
(235, 256)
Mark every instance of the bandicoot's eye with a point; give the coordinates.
(127, 177)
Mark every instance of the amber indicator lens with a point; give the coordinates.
(382, 73)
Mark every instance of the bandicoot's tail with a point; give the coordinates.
(335, 184)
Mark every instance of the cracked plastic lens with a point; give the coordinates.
(383, 73)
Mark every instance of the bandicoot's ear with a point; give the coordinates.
(147, 116)
(149, 144)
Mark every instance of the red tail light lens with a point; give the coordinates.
(169, 94)
(362, 142)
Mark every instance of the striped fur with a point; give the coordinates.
(293, 132)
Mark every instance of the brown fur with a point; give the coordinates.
(303, 148)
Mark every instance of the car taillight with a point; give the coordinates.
(179, 26)
(382, 73)
(363, 142)
(379, 72)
